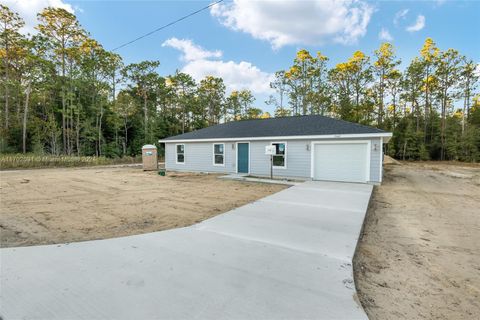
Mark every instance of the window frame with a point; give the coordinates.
(284, 155)
(213, 154)
(176, 153)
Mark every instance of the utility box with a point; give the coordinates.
(149, 157)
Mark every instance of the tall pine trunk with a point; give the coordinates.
(382, 94)
(145, 115)
(443, 124)
(64, 108)
(77, 135)
(427, 107)
(25, 117)
(125, 145)
(100, 131)
(7, 79)
(96, 140)
(466, 106)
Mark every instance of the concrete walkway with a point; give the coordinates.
(245, 177)
(287, 256)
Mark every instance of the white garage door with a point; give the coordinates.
(341, 162)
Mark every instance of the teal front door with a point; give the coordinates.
(242, 157)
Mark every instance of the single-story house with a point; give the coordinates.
(306, 147)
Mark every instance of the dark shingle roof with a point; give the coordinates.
(276, 127)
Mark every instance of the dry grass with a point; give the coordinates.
(29, 161)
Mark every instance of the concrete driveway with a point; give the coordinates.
(287, 256)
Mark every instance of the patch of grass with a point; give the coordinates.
(28, 161)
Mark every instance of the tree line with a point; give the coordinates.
(432, 107)
(63, 93)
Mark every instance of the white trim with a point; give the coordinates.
(311, 159)
(176, 153)
(381, 161)
(284, 156)
(386, 135)
(369, 160)
(236, 156)
(369, 151)
(213, 154)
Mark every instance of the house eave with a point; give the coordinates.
(384, 135)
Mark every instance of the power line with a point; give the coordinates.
(168, 25)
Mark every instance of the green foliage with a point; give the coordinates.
(62, 96)
(406, 143)
(417, 105)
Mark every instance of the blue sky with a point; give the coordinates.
(247, 41)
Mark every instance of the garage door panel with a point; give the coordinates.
(341, 162)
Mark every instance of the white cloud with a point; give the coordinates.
(236, 75)
(28, 9)
(77, 8)
(418, 25)
(385, 35)
(297, 22)
(190, 50)
(400, 15)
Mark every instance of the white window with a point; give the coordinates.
(218, 154)
(180, 153)
(280, 157)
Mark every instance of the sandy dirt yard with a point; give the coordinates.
(46, 206)
(420, 253)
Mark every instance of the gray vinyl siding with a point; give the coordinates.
(297, 162)
(375, 160)
(199, 157)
